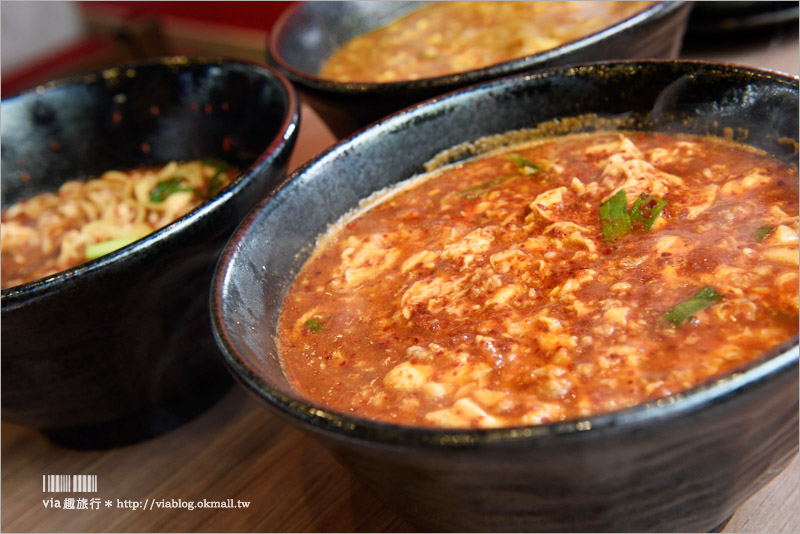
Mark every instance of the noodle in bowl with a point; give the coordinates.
(84, 220)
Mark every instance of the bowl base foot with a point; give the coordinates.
(148, 423)
(722, 525)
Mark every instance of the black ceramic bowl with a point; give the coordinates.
(306, 35)
(120, 348)
(681, 464)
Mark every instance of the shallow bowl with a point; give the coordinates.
(306, 35)
(120, 348)
(683, 463)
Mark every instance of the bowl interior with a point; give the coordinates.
(316, 30)
(145, 114)
(262, 259)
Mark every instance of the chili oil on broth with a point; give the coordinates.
(450, 37)
(493, 292)
(85, 219)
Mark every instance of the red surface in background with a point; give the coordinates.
(251, 15)
(37, 71)
(254, 15)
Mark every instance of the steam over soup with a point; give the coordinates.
(448, 37)
(84, 220)
(559, 279)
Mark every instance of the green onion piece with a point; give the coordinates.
(705, 297)
(525, 163)
(614, 217)
(95, 250)
(483, 188)
(215, 184)
(165, 188)
(314, 324)
(763, 231)
(646, 210)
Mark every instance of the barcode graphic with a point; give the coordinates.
(69, 483)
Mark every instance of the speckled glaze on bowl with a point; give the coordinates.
(120, 349)
(681, 464)
(306, 35)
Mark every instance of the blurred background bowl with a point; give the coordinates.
(306, 34)
(681, 464)
(120, 348)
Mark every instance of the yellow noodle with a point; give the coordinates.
(49, 233)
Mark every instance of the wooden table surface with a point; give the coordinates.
(239, 450)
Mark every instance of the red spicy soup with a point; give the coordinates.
(554, 280)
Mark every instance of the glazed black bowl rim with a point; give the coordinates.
(772, 365)
(25, 293)
(657, 10)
